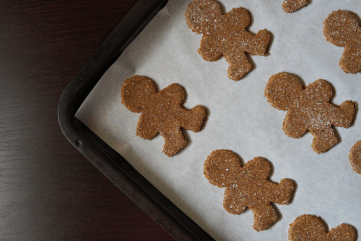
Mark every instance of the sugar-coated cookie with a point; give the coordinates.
(248, 186)
(309, 109)
(226, 35)
(342, 28)
(311, 228)
(161, 112)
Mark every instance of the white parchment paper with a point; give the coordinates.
(240, 118)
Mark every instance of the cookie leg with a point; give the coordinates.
(344, 115)
(145, 127)
(323, 140)
(174, 141)
(191, 119)
(260, 43)
(239, 66)
(264, 216)
(351, 60)
(232, 202)
(209, 49)
(283, 191)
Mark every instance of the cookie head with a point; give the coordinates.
(222, 168)
(306, 226)
(136, 91)
(281, 89)
(202, 14)
(355, 157)
(342, 27)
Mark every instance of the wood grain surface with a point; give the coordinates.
(48, 190)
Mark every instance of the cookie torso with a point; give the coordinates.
(158, 111)
(314, 114)
(250, 190)
(230, 35)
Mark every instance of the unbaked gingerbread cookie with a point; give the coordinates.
(161, 112)
(226, 35)
(309, 109)
(355, 157)
(311, 228)
(248, 186)
(342, 28)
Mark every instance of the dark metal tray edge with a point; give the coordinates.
(108, 161)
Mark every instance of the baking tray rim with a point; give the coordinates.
(103, 157)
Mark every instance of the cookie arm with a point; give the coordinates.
(264, 216)
(351, 59)
(258, 167)
(209, 50)
(290, 6)
(175, 93)
(294, 124)
(321, 90)
(324, 139)
(239, 65)
(232, 202)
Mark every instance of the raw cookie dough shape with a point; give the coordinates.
(290, 6)
(342, 28)
(247, 186)
(161, 112)
(309, 109)
(355, 157)
(311, 228)
(226, 35)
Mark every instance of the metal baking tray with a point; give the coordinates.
(103, 157)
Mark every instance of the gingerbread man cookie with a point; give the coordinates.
(292, 5)
(161, 112)
(311, 228)
(226, 35)
(355, 157)
(309, 109)
(247, 186)
(342, 28)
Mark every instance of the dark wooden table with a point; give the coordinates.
(49, 191)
